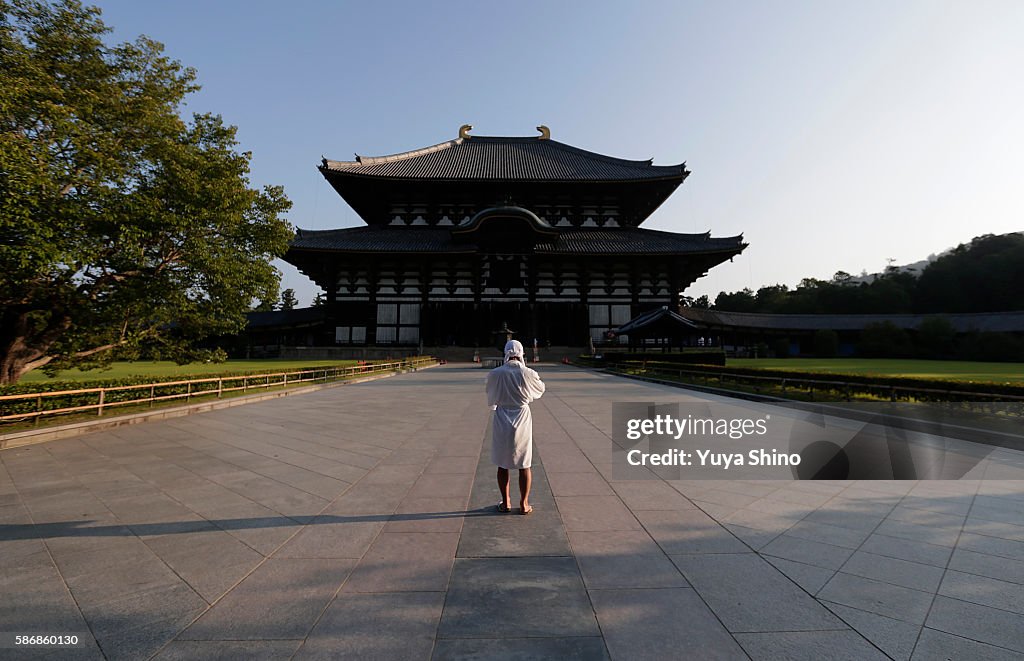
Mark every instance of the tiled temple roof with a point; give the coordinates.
(487, 158)
(961, 322)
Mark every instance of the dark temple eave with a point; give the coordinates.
(625, 242)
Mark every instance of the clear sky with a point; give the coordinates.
(832, 134)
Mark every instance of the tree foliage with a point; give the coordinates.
(885, 340)
(124, 229)
(986, 275)
(826, 343)
(288, 300)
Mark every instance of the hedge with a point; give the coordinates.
(875, 381)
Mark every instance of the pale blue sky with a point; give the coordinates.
(833, 135)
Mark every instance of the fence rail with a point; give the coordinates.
(104, 398)
(846, 388)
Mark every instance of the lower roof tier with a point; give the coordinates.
(574, 241)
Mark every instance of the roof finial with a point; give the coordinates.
(464, 131)
(545, 132)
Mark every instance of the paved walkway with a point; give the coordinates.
(358, 522)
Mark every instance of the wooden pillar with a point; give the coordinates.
(674, 285)
(584, 287)
(424, 275)
(331, 292)
(372, 283)
(634, 288)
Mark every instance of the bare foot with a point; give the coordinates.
(525, 508)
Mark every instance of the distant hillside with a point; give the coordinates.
(985, 275)
(914, 269)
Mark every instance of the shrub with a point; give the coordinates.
(885, 340)
(826, 343)
(935, 338)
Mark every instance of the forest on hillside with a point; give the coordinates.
(985, 275)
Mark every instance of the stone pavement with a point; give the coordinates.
(359, 522)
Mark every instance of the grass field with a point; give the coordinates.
(927, 369)
(168, 368)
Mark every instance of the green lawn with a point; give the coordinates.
(927, 369)
(168, 368)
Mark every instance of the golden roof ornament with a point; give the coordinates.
(545, 132)
(464, 131)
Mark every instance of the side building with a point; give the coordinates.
(475, 235)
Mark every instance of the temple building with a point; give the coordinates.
(479, 234)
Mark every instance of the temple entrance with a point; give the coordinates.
(469, 324)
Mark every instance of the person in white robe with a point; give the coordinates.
(510, 389)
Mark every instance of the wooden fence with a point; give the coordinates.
(29, 406)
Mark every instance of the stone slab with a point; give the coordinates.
(545, 594)
(690, 531)
(281, 599)
(405, 562)
(623, 559)
(877, 597)
(577, 648)
(940, 645)
(661, 624)
(744, 591)
(260, 650)
(809, 646)
(398, 625)
(894, 637)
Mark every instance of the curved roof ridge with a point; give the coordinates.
(612, 159)
(695, 235)
(363, 163)
(390, 158)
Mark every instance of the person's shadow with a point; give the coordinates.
(84, 528)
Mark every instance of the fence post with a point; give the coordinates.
(286, 379)
(188, 392)
(152, 395)
(220, 387)
(99, 409)
(39, 409)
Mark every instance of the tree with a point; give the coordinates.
(936, 337)
(842, 278)
(884, 339)
(288, 300)
(701, 302)
(986, 275)
(826, 343)
(124, 229)
(265, 305)
(771, 298)
(320, 300)
(741, 301)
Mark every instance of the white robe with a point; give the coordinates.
(510, 389)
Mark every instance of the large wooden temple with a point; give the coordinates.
(478, 233)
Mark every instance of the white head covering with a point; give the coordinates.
(513, 349)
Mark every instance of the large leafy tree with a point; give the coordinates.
(124, 228)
